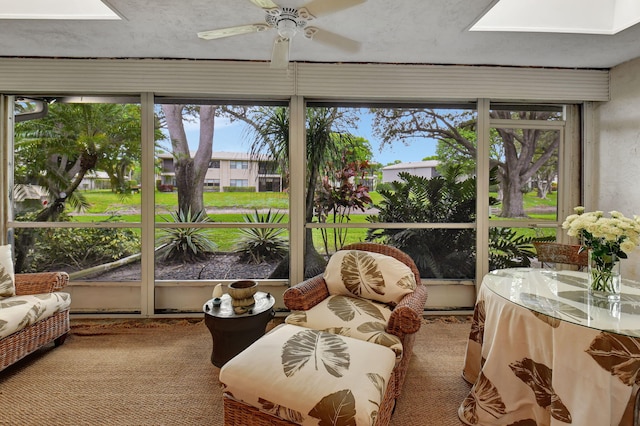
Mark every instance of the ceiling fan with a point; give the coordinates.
(288, 21)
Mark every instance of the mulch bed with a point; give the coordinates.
(217, 266)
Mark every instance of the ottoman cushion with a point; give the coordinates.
(311, 377)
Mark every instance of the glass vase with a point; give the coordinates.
(604, 277)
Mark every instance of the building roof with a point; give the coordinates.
(413, 165)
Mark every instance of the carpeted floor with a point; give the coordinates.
(159, 373)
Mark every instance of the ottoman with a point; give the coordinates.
(295, 375)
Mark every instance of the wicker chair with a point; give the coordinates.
(406, 317)
(566, 254)
(52, 329)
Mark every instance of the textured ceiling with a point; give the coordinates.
(405, 31)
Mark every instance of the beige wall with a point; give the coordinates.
(615, 174)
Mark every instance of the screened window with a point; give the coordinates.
(76, 187)
(387, 164)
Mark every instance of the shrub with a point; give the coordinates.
(337, 198)
(384, 186)
(445, 253)
(239, 188)
(79, 248)
(257, 245)
(164, 188)
(508, 249)
(187, 244)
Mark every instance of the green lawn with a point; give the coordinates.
(105, 201)
(105, 204)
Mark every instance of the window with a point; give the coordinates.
(365, 185)
(58, 225)
(269, 184)
(238, 182)
(526, 142)
(229, 247)
(364, 159)
(239, 165)
(212, 184)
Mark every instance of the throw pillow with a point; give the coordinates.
(369, 275)
(7, 280)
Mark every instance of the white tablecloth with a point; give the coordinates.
(541, 351)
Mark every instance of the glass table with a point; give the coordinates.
(542, 351)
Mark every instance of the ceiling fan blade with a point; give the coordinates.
(280, 54)
(265, 4)
(324, 7)
(332, 39)
(233, 31)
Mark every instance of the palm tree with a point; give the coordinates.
(271, 137)
(58, 150)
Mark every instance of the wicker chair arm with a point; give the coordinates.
(307, 294)
(40, 282)
(406, 318)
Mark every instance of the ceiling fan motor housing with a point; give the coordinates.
(286, 20)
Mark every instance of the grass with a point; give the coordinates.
(105, 201)
(105, 204)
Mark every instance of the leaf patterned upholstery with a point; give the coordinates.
(7, 279)
(311, 377)
(372, 276)
(349, 316)
(405, 319)
(19, 312)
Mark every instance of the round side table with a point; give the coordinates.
(233, 332)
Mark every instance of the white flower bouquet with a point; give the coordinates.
(616, 234)
(607, 238)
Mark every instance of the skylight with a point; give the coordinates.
(560, 16)
(56, 9)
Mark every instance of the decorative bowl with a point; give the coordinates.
(244, 289)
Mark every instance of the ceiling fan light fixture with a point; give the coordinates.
(287, 28)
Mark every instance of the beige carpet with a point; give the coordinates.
(159, 373)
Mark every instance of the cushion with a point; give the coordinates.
(7, 280)
(350, 316)
(310, 377)
(19, 312)
(369, 275)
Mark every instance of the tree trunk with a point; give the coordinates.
(512, 201)
(190, 172)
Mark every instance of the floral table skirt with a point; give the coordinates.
(531, 369)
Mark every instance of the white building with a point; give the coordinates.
(230, 169)
(419, 168)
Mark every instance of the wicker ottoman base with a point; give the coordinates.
(237, 413)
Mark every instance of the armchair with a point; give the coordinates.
(405, 317)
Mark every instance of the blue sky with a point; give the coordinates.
(231, 137)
